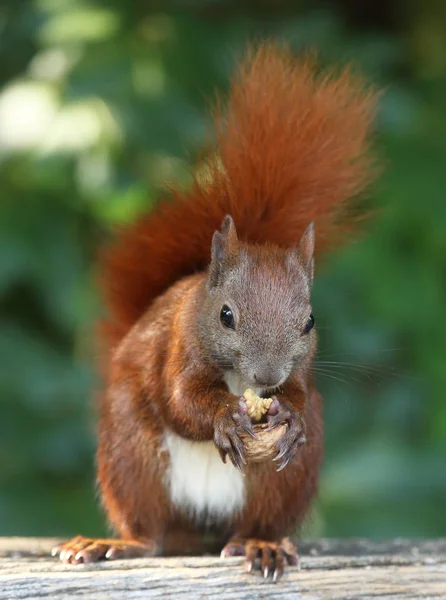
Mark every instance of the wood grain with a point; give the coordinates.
(330, 569)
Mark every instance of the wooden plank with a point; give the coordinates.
(330, 569)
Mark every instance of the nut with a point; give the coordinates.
(264, 446)
(257, 406)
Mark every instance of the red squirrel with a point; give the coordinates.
(210, 294)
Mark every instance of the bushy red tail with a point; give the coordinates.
(292, 147)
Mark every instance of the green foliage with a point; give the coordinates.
(103, 102)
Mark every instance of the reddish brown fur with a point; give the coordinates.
(159, 365)
(292, 148)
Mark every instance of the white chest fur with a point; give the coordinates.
(200, 483)
(198, 480)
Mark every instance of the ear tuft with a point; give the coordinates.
(224, 247)
(229, 232)
(306, 249)
(227, 223)
(218, 247)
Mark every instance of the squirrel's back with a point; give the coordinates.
(292, 146)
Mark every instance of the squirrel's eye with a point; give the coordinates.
(227, 317)
(310, 324)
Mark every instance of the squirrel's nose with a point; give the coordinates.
(267, 379)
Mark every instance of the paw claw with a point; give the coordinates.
(236, 463)
(274, 556)
(283, 465)
(229, 424)
(250, 432)
(280, 455)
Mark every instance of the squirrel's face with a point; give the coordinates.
(258, 318)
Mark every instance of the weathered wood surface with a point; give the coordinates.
(330, 569)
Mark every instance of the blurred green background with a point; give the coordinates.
(103, 102)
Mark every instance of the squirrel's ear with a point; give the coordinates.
(224, 247)
(306, 250)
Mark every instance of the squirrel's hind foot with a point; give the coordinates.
(86, 550)
(268, 557)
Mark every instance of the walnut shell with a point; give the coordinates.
(264, 447)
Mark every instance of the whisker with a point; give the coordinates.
(332, 376)
(366, 370)
(325, 352)
(369, 370)
(352, 364)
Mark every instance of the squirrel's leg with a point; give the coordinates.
(131, 466)
(217, 414)
(286, 487)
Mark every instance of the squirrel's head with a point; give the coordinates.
(257, 317)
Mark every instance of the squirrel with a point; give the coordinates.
(210, 294)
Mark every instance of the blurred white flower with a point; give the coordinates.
(81, 126)
(54, 63)
(27, 111)
(32, 118)
(74, 128)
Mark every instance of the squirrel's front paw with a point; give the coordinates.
(284, 413)
(231, 420)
